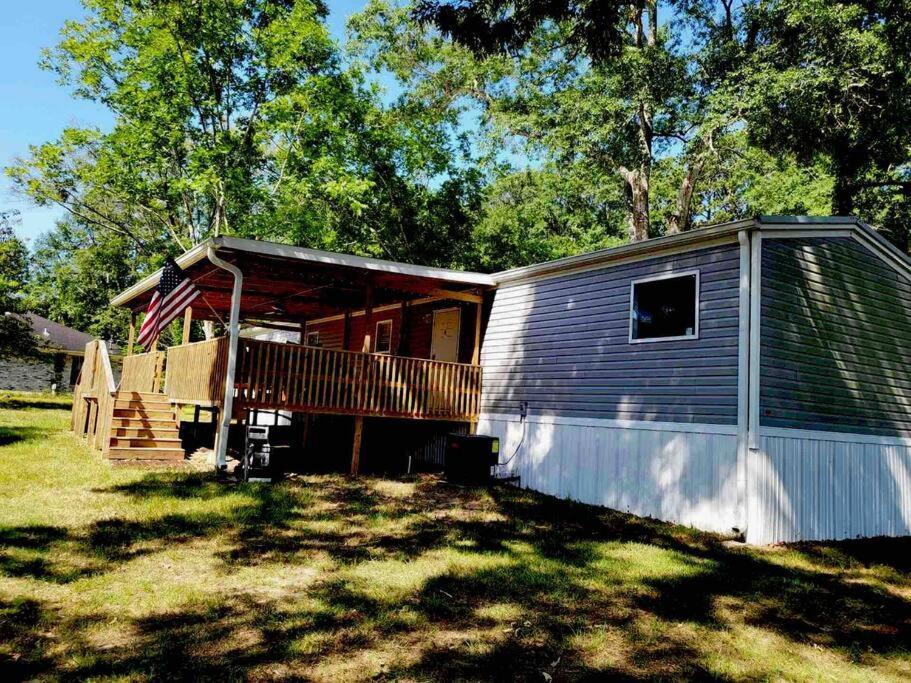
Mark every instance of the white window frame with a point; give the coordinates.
(655, 278)
(307, 338)
(376, 339)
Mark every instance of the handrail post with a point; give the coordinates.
(221, 441)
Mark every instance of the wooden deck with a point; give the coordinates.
(272, 375)
(276, 376)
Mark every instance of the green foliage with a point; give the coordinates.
(534, 216)
(831, 80)
(16, 336)
(77, 270)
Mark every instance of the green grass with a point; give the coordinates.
(134, 574)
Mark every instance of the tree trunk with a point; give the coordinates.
(846, 169)
(208, 328)
(637, 203)
(680, 219)
(843, 195)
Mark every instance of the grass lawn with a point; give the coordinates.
(137, 574)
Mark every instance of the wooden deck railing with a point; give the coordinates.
(142, 372)
(93, 396)
(272, 375)
(196, 372)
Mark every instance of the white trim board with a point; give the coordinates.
(640, 425)
(842, 437)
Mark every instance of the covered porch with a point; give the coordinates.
(317, 333)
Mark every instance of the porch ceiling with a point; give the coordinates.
(288, 284)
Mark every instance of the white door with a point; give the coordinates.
(444, 344)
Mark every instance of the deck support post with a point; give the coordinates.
(356, 445)
(227, 406)
(187, 322)
(131, 339)
(346, 331)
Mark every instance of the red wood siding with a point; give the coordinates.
(418, 330)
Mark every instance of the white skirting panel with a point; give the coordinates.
(676, 472)
(807, 485)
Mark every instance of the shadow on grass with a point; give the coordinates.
(11, 435)
(36, 402)
(563, 570)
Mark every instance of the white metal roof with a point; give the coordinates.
(198, 253)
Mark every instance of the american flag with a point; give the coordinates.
(174, 293)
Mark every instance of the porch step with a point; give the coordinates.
(145, 414)
(140, 442)
(144, 426)
(131, 431)
(137, 404)
(142, 395)
(143, 423)
(136, 453)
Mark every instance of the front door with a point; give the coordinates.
(444, 344)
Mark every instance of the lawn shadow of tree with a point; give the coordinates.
(560, 570)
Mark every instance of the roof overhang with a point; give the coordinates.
(293, 274)
(701, 238)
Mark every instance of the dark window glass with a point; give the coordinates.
(74, 369)
(384, 336)
(313, 338)
(665, 308)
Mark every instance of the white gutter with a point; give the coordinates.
(221, 440)
(743, 377)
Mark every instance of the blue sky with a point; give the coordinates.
(34, 108)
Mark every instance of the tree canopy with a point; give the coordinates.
(481, 134)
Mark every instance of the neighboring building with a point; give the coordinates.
(57, 365)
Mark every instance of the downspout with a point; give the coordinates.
(221, 440)
(743, 378)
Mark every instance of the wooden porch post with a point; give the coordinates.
(368, 313)
(346, 331)
(187, 322)
(132, 336)
(359, 419)
(476, 353)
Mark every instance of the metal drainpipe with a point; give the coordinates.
(221, 442)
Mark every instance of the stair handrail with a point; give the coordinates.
(95, 425)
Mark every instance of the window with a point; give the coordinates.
(313, 338)
(384, 336)
(664, 308)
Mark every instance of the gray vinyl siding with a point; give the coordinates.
(562, 344)
(835, 339)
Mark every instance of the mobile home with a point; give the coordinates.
(747, 378)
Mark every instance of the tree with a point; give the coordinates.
(618, 110)
(191, 86)
(16, 336)
(831, 81)
(77, 270)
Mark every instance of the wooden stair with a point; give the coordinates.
(144, 427)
